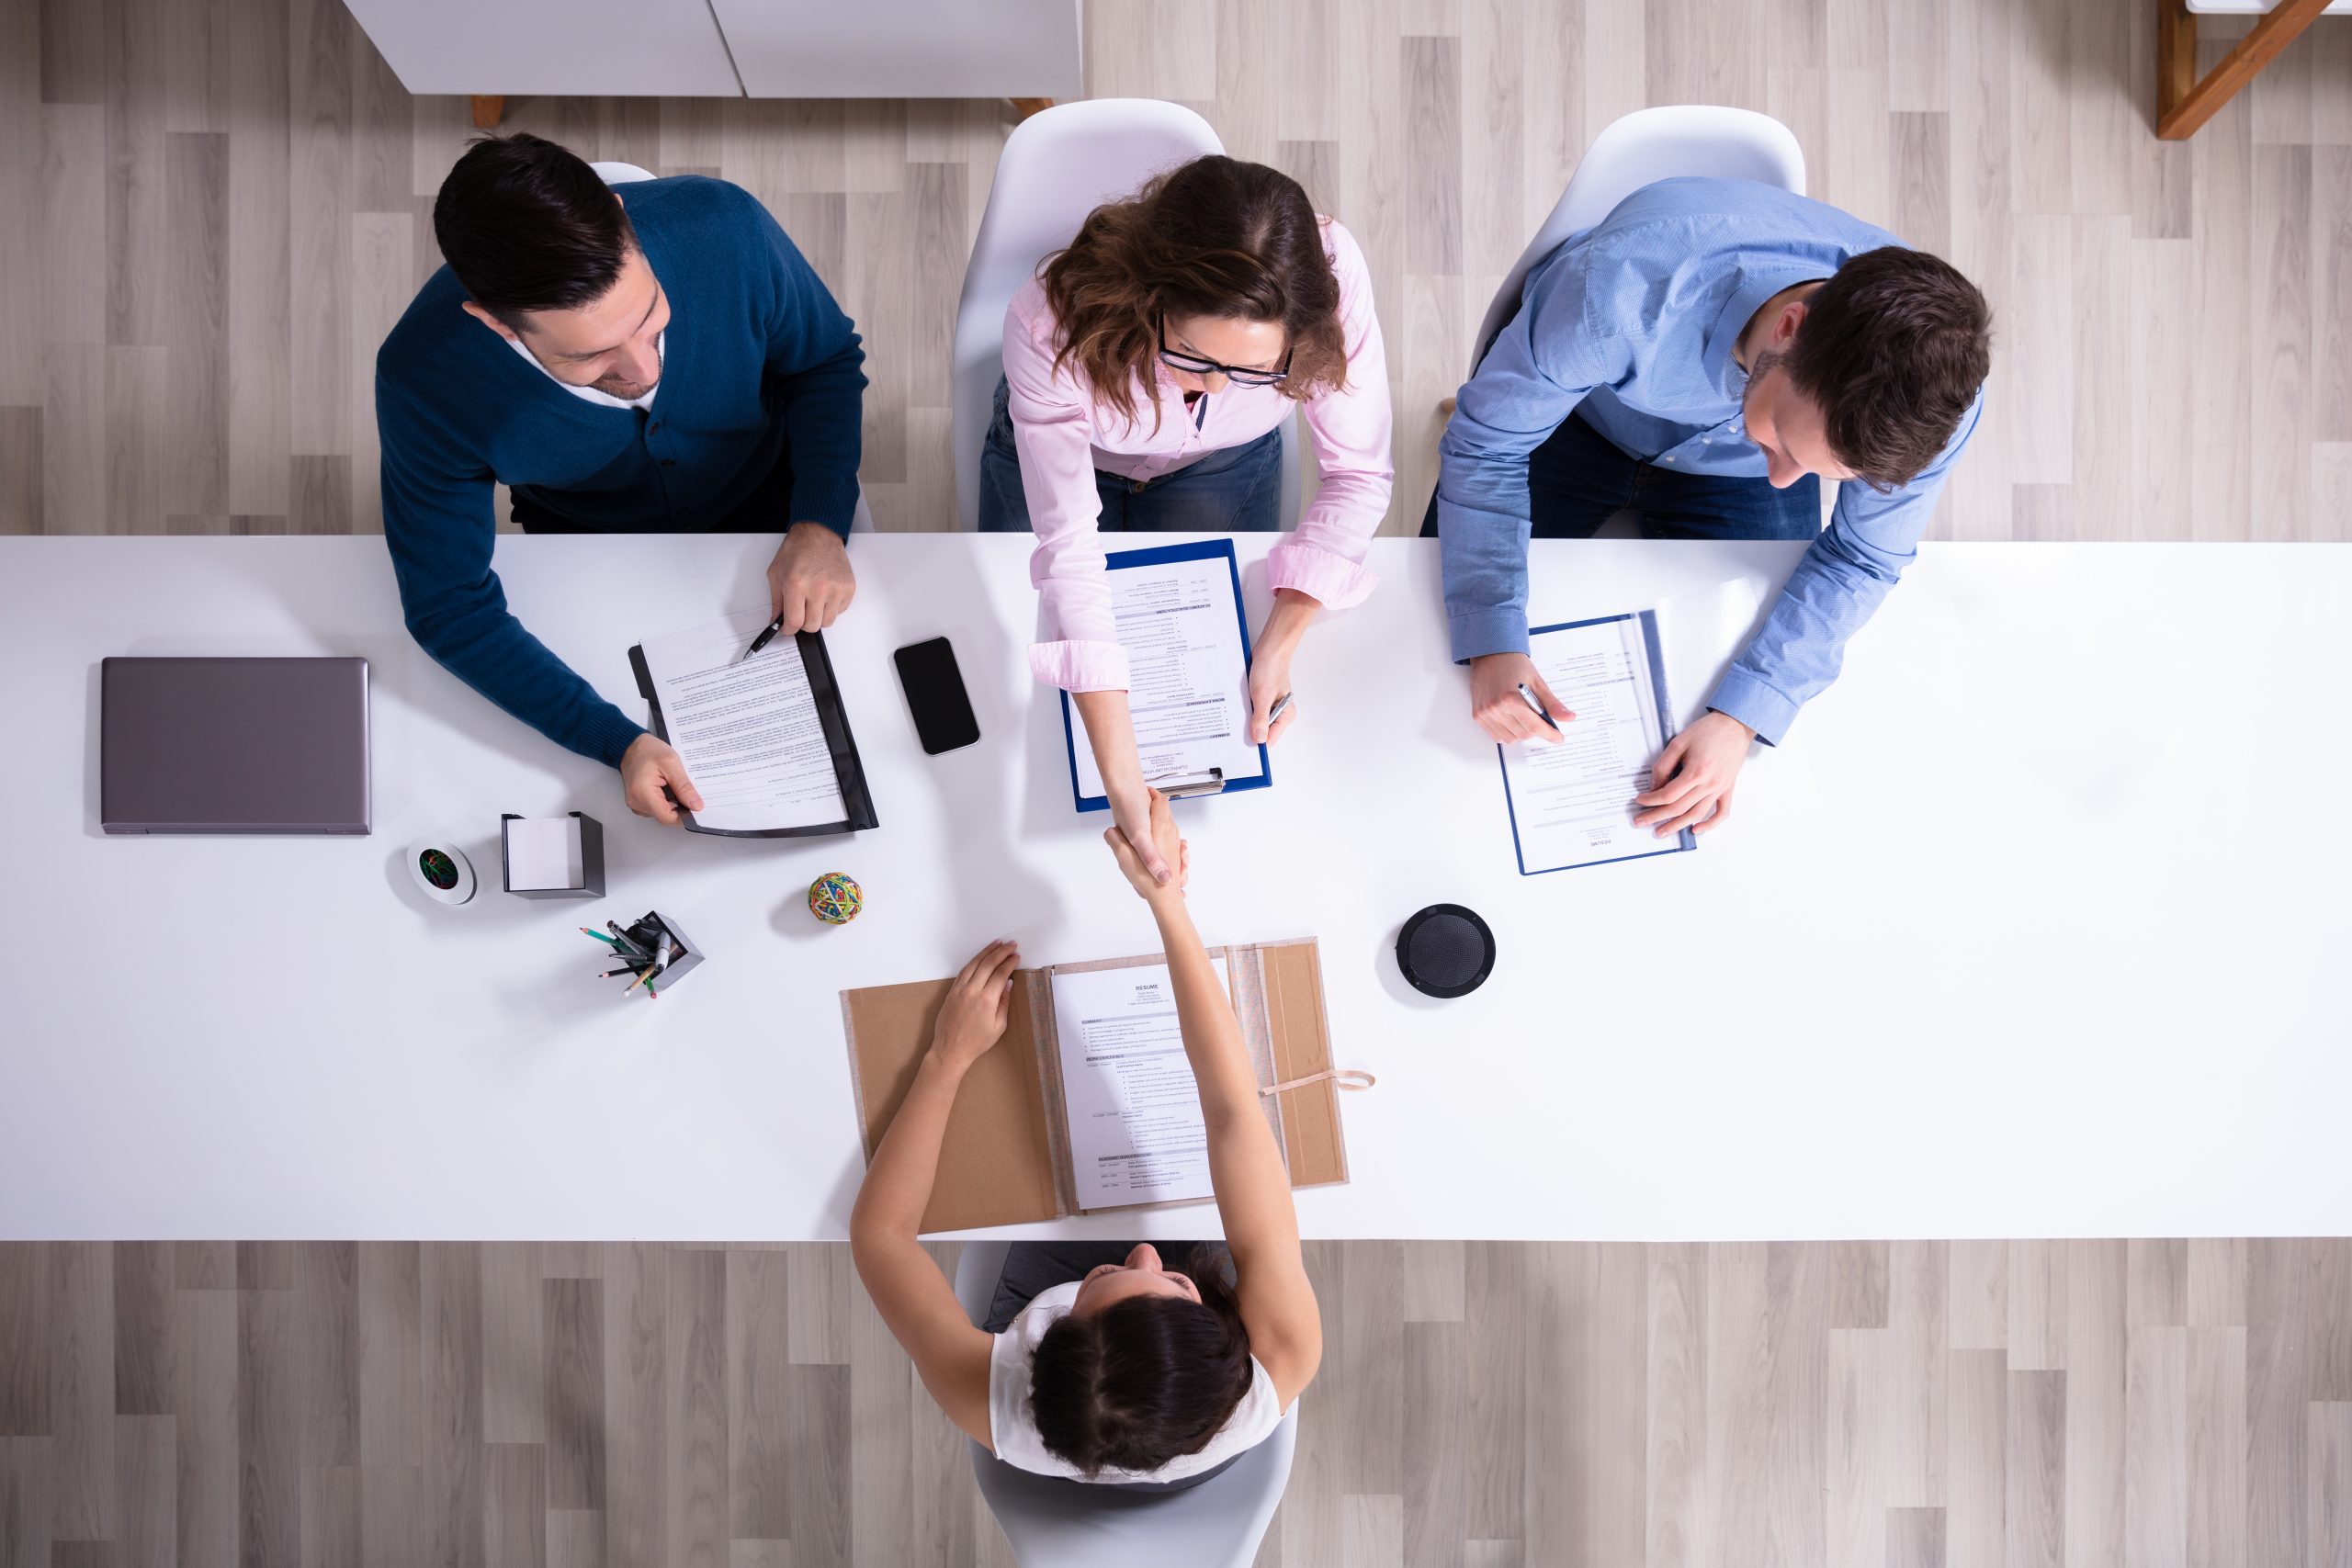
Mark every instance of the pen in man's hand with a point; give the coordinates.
(766, 638)
(1274, 714)
(1540, 710)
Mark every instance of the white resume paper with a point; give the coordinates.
(1572, 801)
(1188, 684)
(1135, 1131)
(747, 729)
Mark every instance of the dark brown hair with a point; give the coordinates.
(1214, 237)
(1145, 1380)
(527, 225)
(1893, 348)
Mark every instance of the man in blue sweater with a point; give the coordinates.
(654, 358)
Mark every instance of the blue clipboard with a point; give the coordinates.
(1209, 549)
(1685, 838)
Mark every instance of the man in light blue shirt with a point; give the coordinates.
(1705, 355)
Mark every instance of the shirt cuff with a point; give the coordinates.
(1332, 579)
(1746, 698)
(1480, 632)
(830, 502)
(1079, 666)
(611, 735)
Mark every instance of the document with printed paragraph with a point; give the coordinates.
(764, 738)
(1571, 800)
(1135, 1131)
(1179, 609)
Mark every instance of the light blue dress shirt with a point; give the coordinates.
(1633, 322)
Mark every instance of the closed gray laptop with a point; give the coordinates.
(233, 745)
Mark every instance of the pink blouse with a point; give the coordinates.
(1063, 435)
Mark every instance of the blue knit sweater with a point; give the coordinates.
(757, 357)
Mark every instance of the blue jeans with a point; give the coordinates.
(1234, 489)
(1577, 479)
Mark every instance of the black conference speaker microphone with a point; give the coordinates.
(1445, 950)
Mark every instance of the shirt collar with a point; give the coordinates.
(601, 397)
(1756, 286)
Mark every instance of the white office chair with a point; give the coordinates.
(1054, 1523)
(1058, 165)
(1636, 149)
(1630, 153)
(618, 174)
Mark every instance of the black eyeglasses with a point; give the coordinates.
(1240, 376)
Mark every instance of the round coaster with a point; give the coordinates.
(1445, 950)
(441, 869)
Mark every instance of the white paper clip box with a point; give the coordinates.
(552, 857)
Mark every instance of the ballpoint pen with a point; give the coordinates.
(1182, 786)
(661, 953)
(761, 640)
(1540, 710)
(1274, 714)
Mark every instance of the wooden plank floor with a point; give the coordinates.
(219, 206)
(2038, 1405)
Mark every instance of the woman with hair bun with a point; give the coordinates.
(1101, 1363)
(1147, 370)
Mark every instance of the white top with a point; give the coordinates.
(2073, 940)
(590, 394)
(1013, 1434)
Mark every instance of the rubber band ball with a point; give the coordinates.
(835, 898)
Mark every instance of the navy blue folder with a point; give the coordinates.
(1685, 839)
(1208, 550)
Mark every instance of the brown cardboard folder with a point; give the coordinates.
(1006, 1157)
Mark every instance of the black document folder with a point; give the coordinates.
(847, 769)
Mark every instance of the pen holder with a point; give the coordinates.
(686, 957)
(533, 850)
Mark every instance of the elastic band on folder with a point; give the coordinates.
(1346, 1078)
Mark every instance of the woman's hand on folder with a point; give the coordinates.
(1270, 663)
(654, 782)
(978, 1001)
(1172, 849)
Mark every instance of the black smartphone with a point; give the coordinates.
(936, 693)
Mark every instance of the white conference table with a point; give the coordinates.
(2035, 928)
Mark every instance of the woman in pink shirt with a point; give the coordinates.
(1147, 370)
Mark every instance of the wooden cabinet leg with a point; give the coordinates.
(2175, 56)
(2184, 102)
(489, 110)
(1024, 107)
